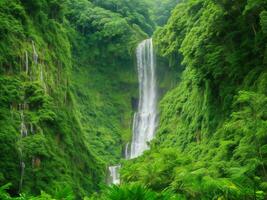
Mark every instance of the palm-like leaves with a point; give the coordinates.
(130, 192)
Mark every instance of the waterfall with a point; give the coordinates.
(35, 55)
(126, 152)
(35, 61)
(26, 62)
(114, 174)
(22, 168)
(23, 133)
(145, 120)
(23, 127)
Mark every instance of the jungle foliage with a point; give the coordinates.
(68, 89)
(160, 10)
(211, 140)
(64, 111)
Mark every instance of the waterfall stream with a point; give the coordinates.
(114, 174)
(23, 133)
(26, 62)
(35, 55)
(145, 119)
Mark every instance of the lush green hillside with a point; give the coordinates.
(68, 90)
(211, 140)
(160, 10)
(67, 85)
(39, 123)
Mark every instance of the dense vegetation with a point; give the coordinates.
(68, 89)
(160, 10)
(67, 84)
(211, 140)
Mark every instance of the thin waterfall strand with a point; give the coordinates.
(114, 174)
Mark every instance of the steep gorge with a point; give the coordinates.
(69, 90)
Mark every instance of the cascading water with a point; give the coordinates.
(24, 125)
(145, 120)
(35, 55)
(26, 62)
(23, 128)
(23, 133)
(126, 151)
(114, 174)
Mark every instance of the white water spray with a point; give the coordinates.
(126, 151)
(114, 174)
(145, 120)
(23, 133)
(26, 62)
(35, 55)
